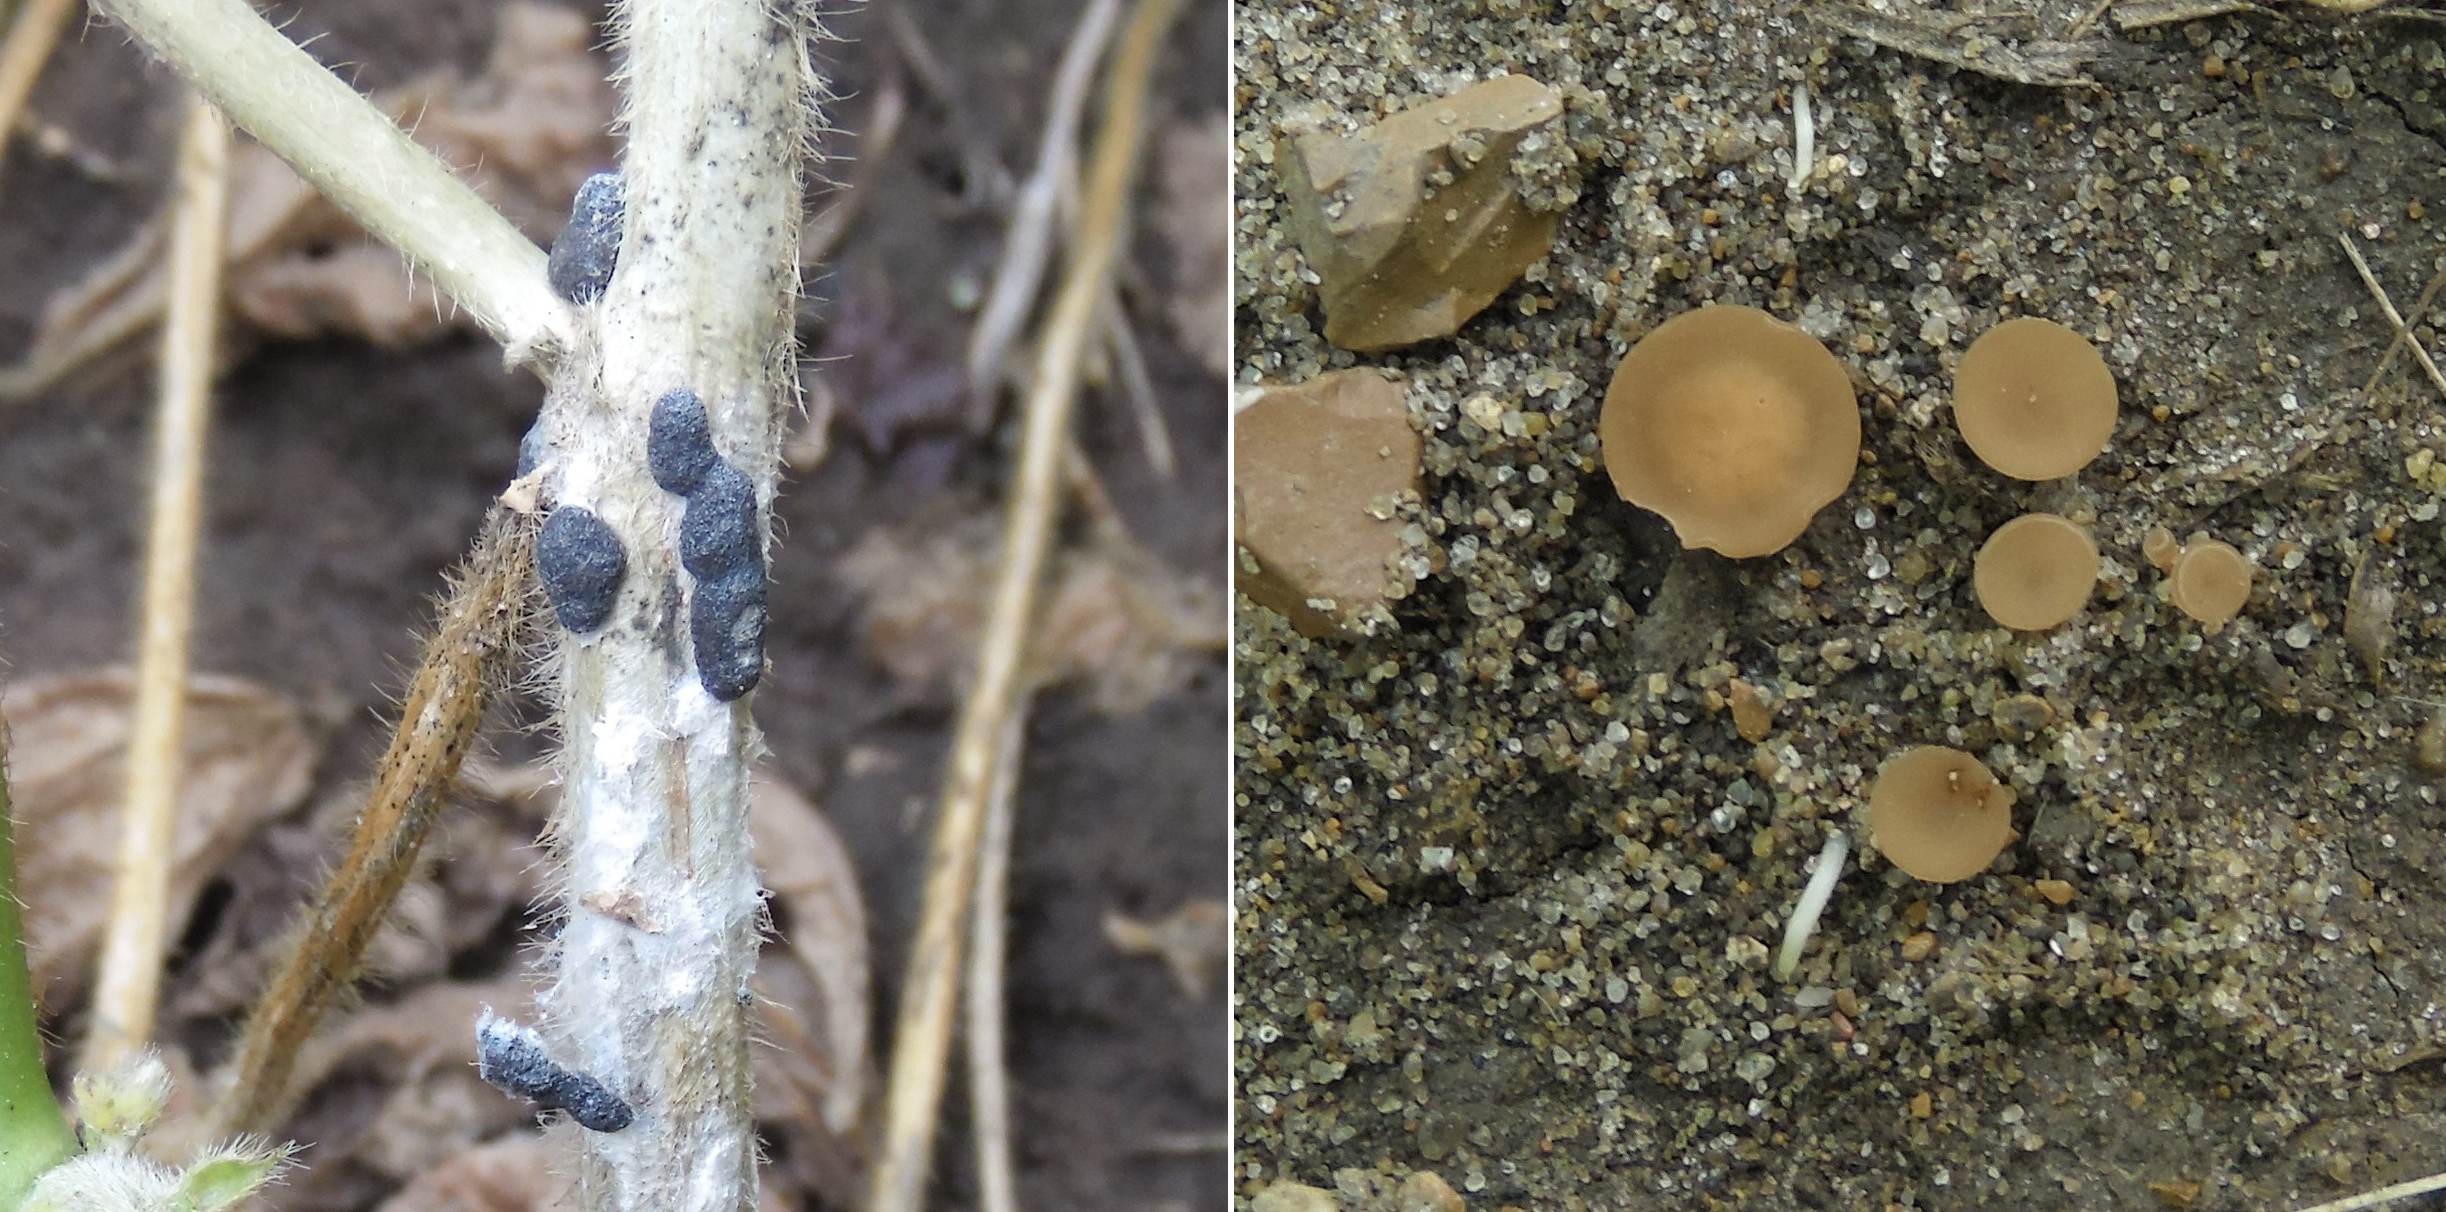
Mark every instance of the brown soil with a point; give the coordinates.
(345, 478)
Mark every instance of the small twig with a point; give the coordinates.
(1137, 387)
(1027, 247)
(356, 156)
(2420, 308)
(913, 1095)
(1182, 1144)
(2383, 1195)
(1087, 491)
(129, 989)
(2403, 331)
(466, 660)
(987, 180)
(31, 39)
(989, 1075)
(2082, 23)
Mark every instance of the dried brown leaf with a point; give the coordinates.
(248, 759)
(1193, 941)
(523, 133)
(522, 1173)
(808, 871)
(1193, 173)
(1114, 615)
(813, 1082)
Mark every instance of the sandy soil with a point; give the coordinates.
(1508, 878)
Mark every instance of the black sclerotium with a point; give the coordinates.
(586, 251)
(581, 563)
(726, 621)
(513, 1059)
(718, 530)
(679, 442)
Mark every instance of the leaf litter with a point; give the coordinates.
(524, 133)
(388, 1095)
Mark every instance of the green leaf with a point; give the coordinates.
(34, 1135)
(234, 1173)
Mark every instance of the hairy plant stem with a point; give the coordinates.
(661, 900)
(34, 1134)
(466, 660)
(400, 192)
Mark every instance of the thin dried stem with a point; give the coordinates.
(1027, 247)
(468, 658)
(2403, 335)
(357, 157)
(1137, 387)
(989, 1075)
(2383, 1195)
(129, 988)
(2386, 306)
(2081, 24)
(929, 991)
(32, 36)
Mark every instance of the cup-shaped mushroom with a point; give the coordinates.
(1733, 425)
(2160, 547)
(2210, 581)
(1939, 814)
(2036, 571)
(2034, 400)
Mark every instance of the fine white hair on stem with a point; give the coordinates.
(1804, 920)
(1804, 137)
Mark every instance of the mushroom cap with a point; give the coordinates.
(2035, 572)
(2034, 399)
(2160, 548)
(2211, 581)
(1734, 425)
(1939, 814)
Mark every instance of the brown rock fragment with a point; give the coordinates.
(2176, 1192)
(1316, 468)
(1427, 1192)
(1753, 715)
(1416, 223)
(1294, 1197)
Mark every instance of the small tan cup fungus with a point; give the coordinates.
(2159, 547)
(1734, 425)
(2036, 571)
(1939, 814)
(2034, 399)
(2211, 581)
